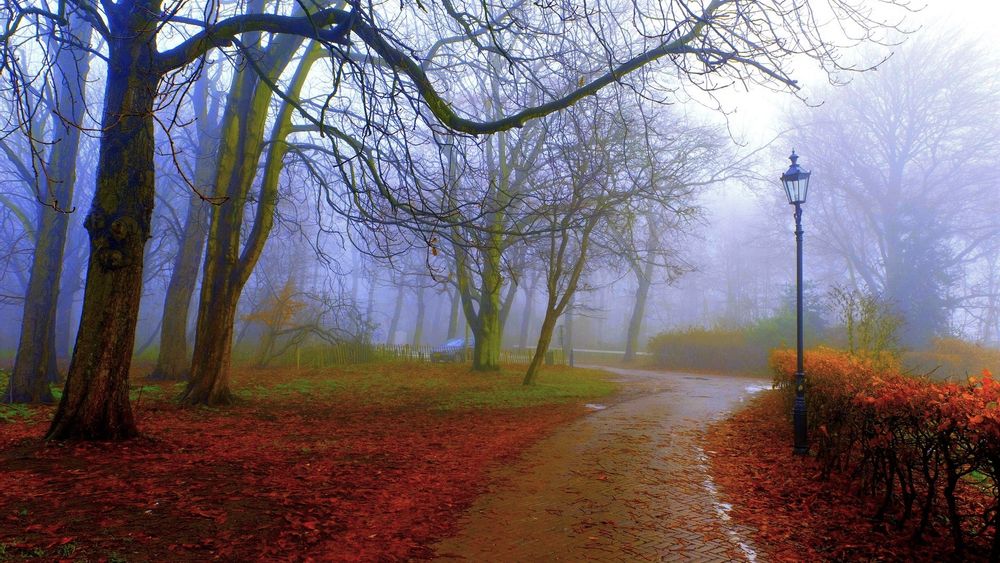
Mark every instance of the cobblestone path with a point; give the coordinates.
(627, 483)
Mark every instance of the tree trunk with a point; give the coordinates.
(529, 306)
(29, 380)
(489, 332)
(213, 349)
(418, 328)
(456, 301)
(544, 341)
(486, 352)
(35, 362)
(227, 268)
(172, 362)
(569, 334)
(556, 304)
(397, 311)
(638, 312)
(95, 401)
(370, 302)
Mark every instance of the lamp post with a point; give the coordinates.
(796, 184)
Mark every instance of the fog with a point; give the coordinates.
(645, 207)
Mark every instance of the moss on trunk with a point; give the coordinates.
(95, 401)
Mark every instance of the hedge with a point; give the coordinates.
(928, 452)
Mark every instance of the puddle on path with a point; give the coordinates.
(722, 508)
(595, 406)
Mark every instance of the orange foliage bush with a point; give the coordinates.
(913, 443)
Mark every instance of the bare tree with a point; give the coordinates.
(724, 40)
(673, 159)
(590, 182)
(54, 175)
(903, 198)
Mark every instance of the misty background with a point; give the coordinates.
(902, 206)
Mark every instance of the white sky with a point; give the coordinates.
(757, 113)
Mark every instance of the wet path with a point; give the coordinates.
(627, 483)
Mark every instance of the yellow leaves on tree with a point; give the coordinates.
(280, 309)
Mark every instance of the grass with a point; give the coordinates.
(395, 385)
(443, 387)
(12, 412)
(557, 385)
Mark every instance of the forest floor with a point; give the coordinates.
(372, 462)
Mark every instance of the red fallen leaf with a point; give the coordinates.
(602, 477)
(206, 514)
(250, 462)
(311, 525)
(773, 493)
(60, 541)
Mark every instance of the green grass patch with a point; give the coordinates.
(12, 412)
(152, 391)
(442, 387)
(311, 387)
(557, 385)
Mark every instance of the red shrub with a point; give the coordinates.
(927, 450)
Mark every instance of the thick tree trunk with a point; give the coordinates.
(486, 352)
(213, 349)
(35, 362)
(35, 359)
(227, 268)
(95, 401)
(635, 322)
(489, 332)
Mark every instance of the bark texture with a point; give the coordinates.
(95, 401)
(227, 265)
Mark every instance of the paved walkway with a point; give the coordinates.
(627, 483)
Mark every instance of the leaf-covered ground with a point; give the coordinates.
(796, 516)
(367, 463)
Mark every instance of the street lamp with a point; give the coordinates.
(796, 184)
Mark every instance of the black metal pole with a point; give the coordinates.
(799, 409)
